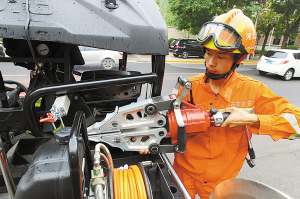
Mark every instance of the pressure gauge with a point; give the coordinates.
(43, 49)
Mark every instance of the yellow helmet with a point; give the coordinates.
(231, 32)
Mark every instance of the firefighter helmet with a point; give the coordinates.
(231, 32)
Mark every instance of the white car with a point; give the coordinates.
(95, 58)
(283, 62)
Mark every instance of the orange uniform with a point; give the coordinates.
(219, 153)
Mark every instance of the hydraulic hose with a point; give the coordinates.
(129, 183)
(97, 156)
(132, 188)
(105, 159)
(116, 184)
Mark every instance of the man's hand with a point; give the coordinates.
(239, 118)
(146, 151)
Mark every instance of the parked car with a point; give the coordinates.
(283, 62)
(101, 58)
(186, 48)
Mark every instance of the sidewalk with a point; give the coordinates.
(171, 58)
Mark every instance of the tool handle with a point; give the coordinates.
(182, 138)
(183, 80)
(251, 161)
(218, 118)
(251, 153)
(225, 116)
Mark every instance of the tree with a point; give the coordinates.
(190, 15)
(266, 22)
(165, 12)
(289, 18)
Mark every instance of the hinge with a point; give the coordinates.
(111, 4)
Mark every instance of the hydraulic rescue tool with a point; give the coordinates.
(143, 125)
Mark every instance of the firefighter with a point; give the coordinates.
(219, 153)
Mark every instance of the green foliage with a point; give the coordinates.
(289, 18)
(293, 47)
(267, 19)
(165, 11)
(170, 40)
(257, 52)
(190, 15)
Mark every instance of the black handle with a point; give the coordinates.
(225, 116)
(251, 162)
(181, 137)
(251, 153)
(182, 80)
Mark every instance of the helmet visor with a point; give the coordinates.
(225, 37)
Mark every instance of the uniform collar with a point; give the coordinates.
(226, 91)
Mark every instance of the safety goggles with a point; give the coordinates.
(225, 37)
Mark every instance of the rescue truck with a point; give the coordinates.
(79, 138)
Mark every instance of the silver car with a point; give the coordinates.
(96, 58)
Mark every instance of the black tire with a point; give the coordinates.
(202, 54)
(175, 55)
(288, 75)
(185, 54)
(262, 72)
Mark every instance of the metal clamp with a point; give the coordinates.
(181, 134)
(251, 154)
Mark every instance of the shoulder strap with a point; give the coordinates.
(192, 100)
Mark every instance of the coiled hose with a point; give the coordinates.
(129, 183)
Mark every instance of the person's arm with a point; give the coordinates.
(240, 118)
(275, 116)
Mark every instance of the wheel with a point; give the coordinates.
(13, 93)
(108, 63)
(288, 74)
(262, 72)
(175, 55)
(184, 54)
(202, 53)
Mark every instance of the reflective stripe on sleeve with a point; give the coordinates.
(292, 120)
(248, 110)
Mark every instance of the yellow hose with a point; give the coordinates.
(121, 183)
(133, 190)
(126, 187)
(116, 187)
(139, 182)
(129, 183)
